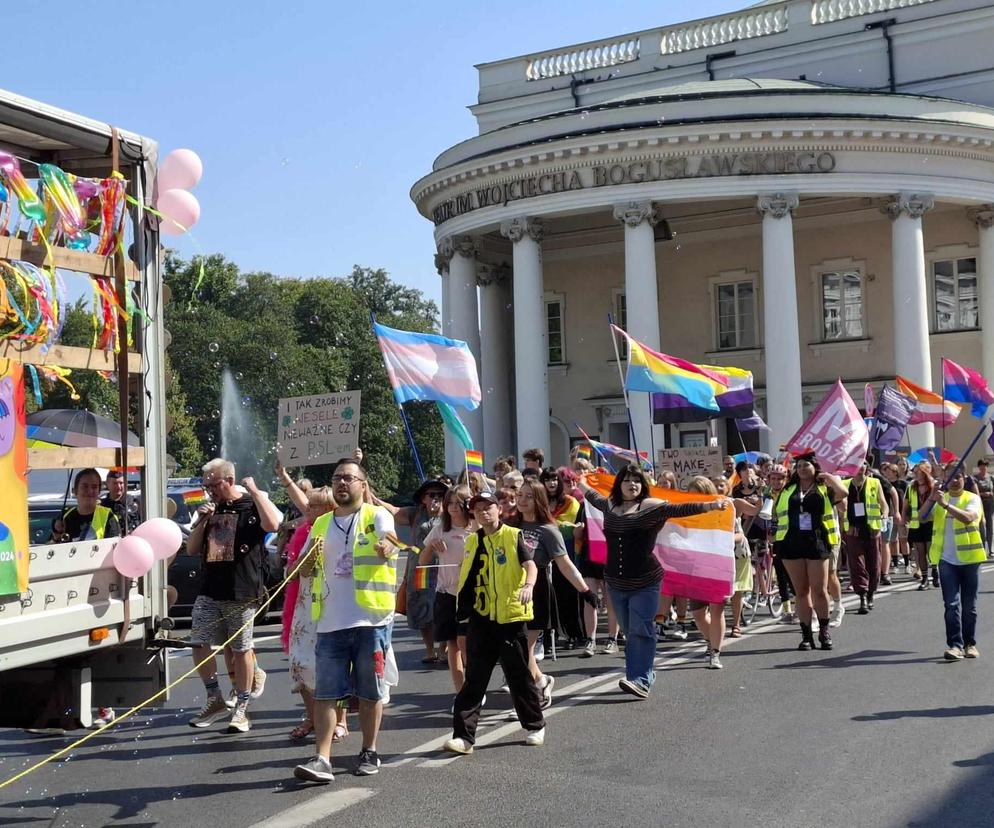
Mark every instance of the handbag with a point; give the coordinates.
(401, 604)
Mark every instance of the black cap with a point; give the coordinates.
(427, 486)
(483, 497)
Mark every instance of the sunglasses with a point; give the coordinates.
(347, 479)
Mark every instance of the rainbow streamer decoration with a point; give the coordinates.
(474, 462)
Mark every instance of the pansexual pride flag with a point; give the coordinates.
(734, 397)
(696, 553)
(429, 367)
(929, 406)
(964, 385)
(651, 371)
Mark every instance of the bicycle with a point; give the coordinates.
(765, 591)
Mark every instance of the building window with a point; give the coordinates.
(735, 312)
(954, 294)
(621, 320)
(842, 305)
(555, 330)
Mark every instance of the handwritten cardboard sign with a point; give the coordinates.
(320, 428)
(687, 463)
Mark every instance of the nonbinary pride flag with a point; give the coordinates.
(696, 553)
(429, 367)
(964, 385)
(653, 372)
(929, 406)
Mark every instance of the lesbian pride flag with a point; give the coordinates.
(929, 406)
(429, 367)
(696, 553)
(964, 385)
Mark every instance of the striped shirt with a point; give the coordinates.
(631, 539)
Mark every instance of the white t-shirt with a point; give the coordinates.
(949, 540)
(451, 559)
(339, 610)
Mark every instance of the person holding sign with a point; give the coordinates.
(805, 534)
(958, 550)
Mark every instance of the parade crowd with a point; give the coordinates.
(497, 571)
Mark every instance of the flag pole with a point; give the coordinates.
(942, 369)
(652, 438)
(959, 465)
(403, 415)
(624, 391)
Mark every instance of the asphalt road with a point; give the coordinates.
(878, 732)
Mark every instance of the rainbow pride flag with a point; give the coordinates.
(696, 553)
(195, 497)
(425, 577)
(474, 462)
(583, 453)
(657, 373)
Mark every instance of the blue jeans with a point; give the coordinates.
(636, 610)
(352, 662)
(960, 583)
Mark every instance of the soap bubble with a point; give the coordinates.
(239, 375)
(273, 355)
(213, 347)
(315, 319)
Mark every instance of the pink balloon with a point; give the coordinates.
(162, 534)
(180, 170)
(133, 557)
(180, 211)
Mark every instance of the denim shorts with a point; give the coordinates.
(213, 622)
(351, 662)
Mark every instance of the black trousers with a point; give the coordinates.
(488, 642)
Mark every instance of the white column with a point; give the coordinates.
(782, 343)
(531, 374)
(912, 354)
(984, 219)
(453, 450)
(642, 305)
(495, 360)
(465, 324)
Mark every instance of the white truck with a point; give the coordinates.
(80, 636)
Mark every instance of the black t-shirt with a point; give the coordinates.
(803, 533)
(76, 527)
(857, 494)
(121, 512)
(234, 552)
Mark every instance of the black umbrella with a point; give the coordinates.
(76, 428)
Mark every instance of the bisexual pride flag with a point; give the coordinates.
(429, 367)
(964, 385)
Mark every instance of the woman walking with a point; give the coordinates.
(446, 547)
(919, 531)
(632, 520)
(544, 540)
(805, 534)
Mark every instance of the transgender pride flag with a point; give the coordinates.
(696, 553)
(429, 367)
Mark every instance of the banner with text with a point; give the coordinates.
(687, 463)
(317, 429)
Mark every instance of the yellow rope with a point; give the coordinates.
(163, 691)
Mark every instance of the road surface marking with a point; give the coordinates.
(317, 809)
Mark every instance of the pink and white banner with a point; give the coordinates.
(835, 432)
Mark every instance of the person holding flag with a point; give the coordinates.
(958, 550)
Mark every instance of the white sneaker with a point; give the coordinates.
(539, 651)
(232, 699)
(258, 683)
(535, 738)
(714, 661)
(460, 746)
(239, 722)
(546, 691)
(837, 614)
(503, 689)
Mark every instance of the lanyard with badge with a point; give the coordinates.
(343, 566)
(858, 505)
(804, 520)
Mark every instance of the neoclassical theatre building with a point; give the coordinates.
(803, 189)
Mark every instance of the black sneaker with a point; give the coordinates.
(369, 763)
(935, 576)
(885, 580)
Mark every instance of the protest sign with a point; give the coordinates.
(687, 463)
(835, 432)
(321, 428)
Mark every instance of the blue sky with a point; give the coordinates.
(313, 118)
